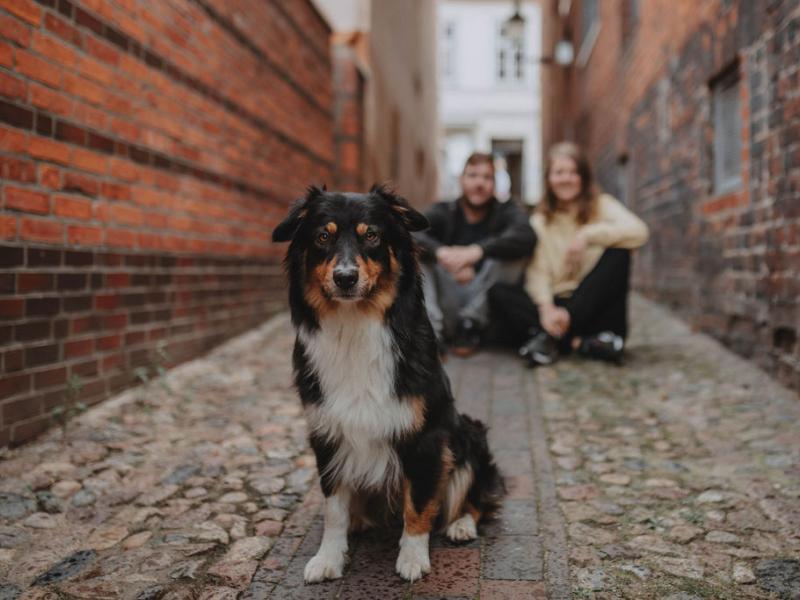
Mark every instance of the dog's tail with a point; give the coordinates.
(488, 486)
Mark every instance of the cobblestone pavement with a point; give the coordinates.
(676, 477)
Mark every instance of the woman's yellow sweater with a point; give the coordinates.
(614, 226)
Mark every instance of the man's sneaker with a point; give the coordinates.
(467, 339)
(606, 345)
(541, 349)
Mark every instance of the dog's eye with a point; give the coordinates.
(371, 236)
(323, 236)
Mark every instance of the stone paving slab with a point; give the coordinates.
(506, 562)
(675, 477)
(679, 474)
(174, 490)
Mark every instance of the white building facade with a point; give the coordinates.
(489, 94)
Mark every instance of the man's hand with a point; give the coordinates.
(574, 255)
(465, 275)
(456, 258)
(554, 319)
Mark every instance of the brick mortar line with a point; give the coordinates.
(127, 43)
(243, 39)
(299, 29)
(236, 219)
(208, 263)
(132, 152)
(552, 526)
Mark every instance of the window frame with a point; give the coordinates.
(726, 104)
(510, 64)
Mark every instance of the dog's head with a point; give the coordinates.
(348, 248)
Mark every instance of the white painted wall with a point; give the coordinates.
(475, 107)
(401, 143)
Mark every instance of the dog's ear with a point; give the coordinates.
(286, 229)
(412, 219)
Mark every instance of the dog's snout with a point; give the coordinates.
(345, 278)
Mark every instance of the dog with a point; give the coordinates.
(378, 404)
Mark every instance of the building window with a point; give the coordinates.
(448, 52)
(510, 58)
(727, 117)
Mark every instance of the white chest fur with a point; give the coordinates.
(354, 359)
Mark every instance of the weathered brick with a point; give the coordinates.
(84, 235)
(26, 200)
(78, 348)
(12, 140)
(38, 282)
(72, 208)
(24, 9)
(36, 356)
(89, 161)
(41, 306)
(42, 231)
(49, 150)
(15, 30)
(54, 49)
(38, 69)
(17, 169)
(50, 378)
(8, 227)
(651, 141)
(16, 384)
(13, 360)
(13, 87)
(99, 124)
(62, 29)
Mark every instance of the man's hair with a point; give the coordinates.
(478, 158)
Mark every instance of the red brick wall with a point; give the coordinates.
(146, 151)
(642, 106)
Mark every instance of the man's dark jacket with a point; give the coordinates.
(510, 234)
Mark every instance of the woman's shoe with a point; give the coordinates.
(606, 345)
(541, 349)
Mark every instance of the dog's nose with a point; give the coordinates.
(345, 278)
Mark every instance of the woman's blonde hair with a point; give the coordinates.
(587, 198)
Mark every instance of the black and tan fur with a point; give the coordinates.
(381, 413)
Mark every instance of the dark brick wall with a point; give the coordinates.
(147, 149)
(101, 314)
(642, 105)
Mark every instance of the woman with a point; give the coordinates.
(576, 291)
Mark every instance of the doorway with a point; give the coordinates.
(508, 157)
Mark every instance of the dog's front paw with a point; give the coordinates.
(462, 529)
(324, 566)
(413, 561)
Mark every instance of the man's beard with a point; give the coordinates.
(482, 204)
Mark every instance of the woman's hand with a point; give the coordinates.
(554, 319)
(575, 253)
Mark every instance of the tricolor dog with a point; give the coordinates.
(381, 416)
